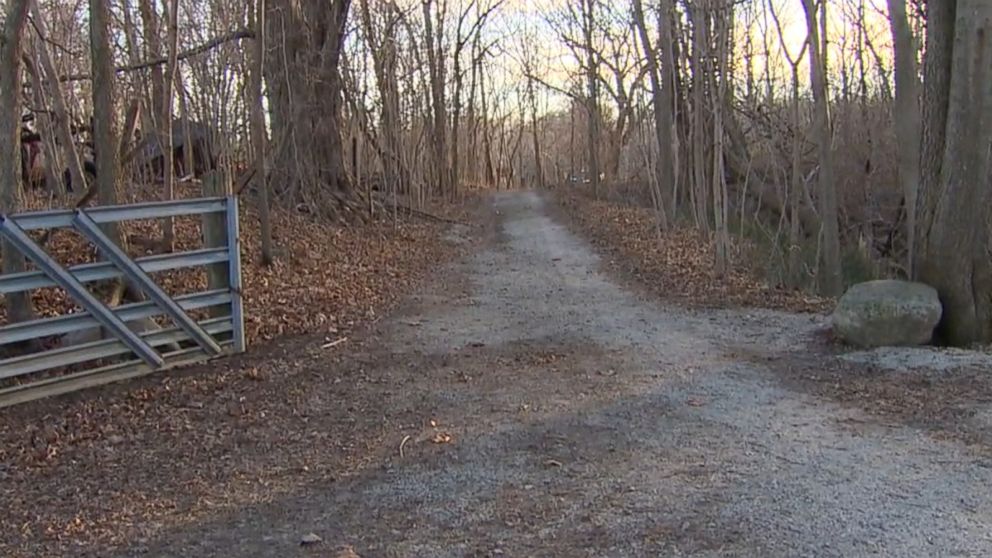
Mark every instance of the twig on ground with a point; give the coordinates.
(333, 343)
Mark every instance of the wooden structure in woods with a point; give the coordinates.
(199, 142)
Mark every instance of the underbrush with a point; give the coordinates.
(769, 253)
(760, 251)
(679, 263)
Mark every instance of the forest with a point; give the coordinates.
(495, 278)
(818, 130)
(841, 139)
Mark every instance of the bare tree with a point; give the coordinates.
(723, 24)
(954, 255)
(153, 44)
(11, 52)
(661, 105)
(796, 185)
(44, 126)
(906, 115)
(434, 15)
(259, 137)
(60, 117)
(700, 61)
(104, 115)
(832, 281)
(588, 21)
(165, 127)
(529, 64)
(304, 92)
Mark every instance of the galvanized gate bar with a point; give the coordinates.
(58, 325)
(78, 291)
(85, 224)
(94, 350)
(100, 271)
(234, 263)
(89, 378)
(60, 218)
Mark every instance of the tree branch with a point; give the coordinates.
(209, 45)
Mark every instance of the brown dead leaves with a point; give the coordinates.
(177, 447)
(330, 278)
(326, 278)
(678, 264)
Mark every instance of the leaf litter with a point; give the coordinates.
(103, 468)
(678, 264)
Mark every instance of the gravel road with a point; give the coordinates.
(558, 413)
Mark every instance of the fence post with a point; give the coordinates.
(234, 272)
(215, 235)
(221, 230)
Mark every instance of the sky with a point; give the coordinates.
(559, 66)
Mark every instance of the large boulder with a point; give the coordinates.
(887, 313)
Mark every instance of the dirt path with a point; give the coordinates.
(532, 406)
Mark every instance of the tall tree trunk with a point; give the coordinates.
(571, 142)
(434, 39)
(165, 129)
(304, 85)
(722, 23)
(700, 142)
(535, 132)
(473, 140)
(136, 56)
(936, 101)
(104, 117)
(456, 114)
(663, 170)
(383, 45)
(669, 82)
(795, 186)
(832, 277)
(796, 183)
(259, 137)
(153, 45)
(487, 138)
(957, 257)
(906, 115)
(592, 99)
(11, 49)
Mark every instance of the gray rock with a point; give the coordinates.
(887, 313)
(310, 539)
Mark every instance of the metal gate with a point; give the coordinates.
(124, 350)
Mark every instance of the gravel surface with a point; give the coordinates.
(530, 405)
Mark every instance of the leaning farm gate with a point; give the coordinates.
(201, 325)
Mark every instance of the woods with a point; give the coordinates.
(492, 277)
(810, 138)
(841, 141)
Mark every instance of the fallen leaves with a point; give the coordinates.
(143, 457)
(679, 263)
(441, 438)
(326, 278)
